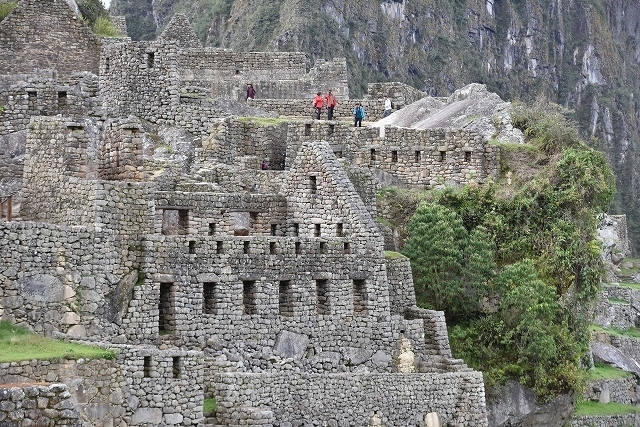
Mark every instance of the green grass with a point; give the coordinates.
(631, 332)
(210, 405)
(6, 9)
(393, 255)
(606, 372)
(18, 344)
(596, 408)
(630, 285)
(618, 301)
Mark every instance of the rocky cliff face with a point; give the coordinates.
(581, 54)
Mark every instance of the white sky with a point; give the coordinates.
(106, 3)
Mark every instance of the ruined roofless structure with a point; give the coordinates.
(146, 225)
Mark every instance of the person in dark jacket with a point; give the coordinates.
(251, 92)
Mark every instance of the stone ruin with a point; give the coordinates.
(143, 222)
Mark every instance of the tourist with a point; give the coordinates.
(317, 104)
(388, 107)
(251, 92)
(331, 103)
(265, 165)
(358, 115)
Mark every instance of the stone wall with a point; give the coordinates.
(37, 404)
(303, 107)
(46, 34)
(141, 387)
(616, 307)
(619, 390)
(353, 399)
(606, 421)
(400, 94)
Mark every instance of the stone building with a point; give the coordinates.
(146, 225)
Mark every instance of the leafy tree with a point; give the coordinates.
(435, 247)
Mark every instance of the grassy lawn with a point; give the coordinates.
(630, 285)
(602, 372)
(596, 408)
(393, 255)
(18, 344)
(631, 332)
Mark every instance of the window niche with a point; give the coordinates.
(249, 297)
(360, 297)
(210, 298)
(167, 309)
(285, 298)
(322, 297)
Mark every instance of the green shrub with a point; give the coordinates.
(104, 28)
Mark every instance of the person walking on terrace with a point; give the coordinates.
(330, 98)
(318, 101)
(358, 115)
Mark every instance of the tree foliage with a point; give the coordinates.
(530, 258)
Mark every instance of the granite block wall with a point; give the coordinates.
(353, 399)
(46, 34)
(142, 386)
(37, 405)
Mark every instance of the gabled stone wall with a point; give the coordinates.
(41, 34)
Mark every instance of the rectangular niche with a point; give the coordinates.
(360, 297)
(176, 366)
(62, 99)
(175, 221)
(147, 367)
(167, 309)
(209, 298)
(285, 298)
(322, 297)
(249, 297)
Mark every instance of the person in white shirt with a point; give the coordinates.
(387, 107)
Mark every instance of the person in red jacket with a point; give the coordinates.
(317, 104)
(331, 104)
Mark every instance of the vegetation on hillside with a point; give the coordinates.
(515, 269)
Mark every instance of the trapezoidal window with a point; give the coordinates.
(418, 156)
(467, 156)
(32, 100)
(151, 59)
(443, 156)
(274, 229)
(212, 229)
(313, 184)
(167, 309)
(249, 297)
(394, 156)
(62, 99)
(176, 366)
(285, 298)
(339, 229)
(209, 297)
(322, 296)
(360, 296)
(147, 366)
(373, 154)
(316, 230)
